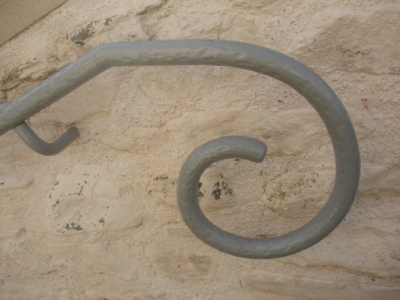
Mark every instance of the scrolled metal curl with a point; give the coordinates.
(218, 53)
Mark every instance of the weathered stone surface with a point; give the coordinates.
(310, 288)
(351, 41)
(370, 251)
(214, 192)
(10, 178)
(178, 230)
(298, 195)
(180, 264)
(278, 129)
(138, 125)
(163, 189)
(28, 254)
(49, 291)
(15, 16)
(90, 199)
(104, 258)
(113, 258)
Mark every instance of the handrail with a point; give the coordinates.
(220, 53)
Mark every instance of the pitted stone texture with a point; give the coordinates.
(214, 192)
(278, 129)
(179, 229)
(114, 258)
(56, 289)
(310, 288)
(48, 256)
(351, 41)
(12, 178)
(180, 264)
(162, 189)
(381, 178)
(91, 199)
(29, 255)
(379, 254)
(121, 28)
(298, 195)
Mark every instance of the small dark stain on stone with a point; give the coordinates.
(80, 43)
(160, 178)
(56, 183)
(221, 188)
(225, 187)
(216, 193)
(102, 221)
(82, 34)
(73, 226)
(55, 204)
(107, 21)
(1, 183)
(80, 192)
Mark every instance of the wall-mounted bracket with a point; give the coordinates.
(38, 145)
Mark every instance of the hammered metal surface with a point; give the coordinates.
(220, 53)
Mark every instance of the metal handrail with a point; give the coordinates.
(220, 53)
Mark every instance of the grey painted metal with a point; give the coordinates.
(232, 54)
(38, 145)
(254, 150)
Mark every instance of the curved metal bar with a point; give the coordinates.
(38, 145)
(254, 150)
(232, 54)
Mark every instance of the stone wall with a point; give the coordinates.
(100, 220)
(17, 15)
